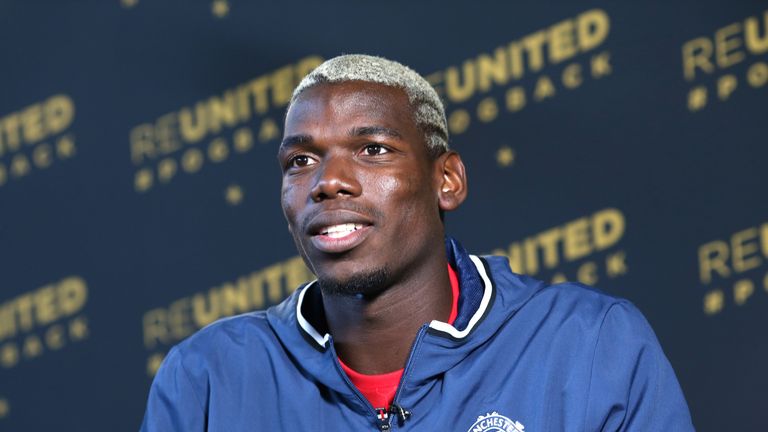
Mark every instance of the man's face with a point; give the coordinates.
(359, 188)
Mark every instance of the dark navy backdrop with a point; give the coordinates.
(618, 145)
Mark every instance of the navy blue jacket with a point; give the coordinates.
(522, 356)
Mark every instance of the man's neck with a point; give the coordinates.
(374, 336)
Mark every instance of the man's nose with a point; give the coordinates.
(336, 178)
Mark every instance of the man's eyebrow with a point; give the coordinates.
(293, 140)
(374, 130)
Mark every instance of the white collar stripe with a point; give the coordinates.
(451, 330)
(305, 325)
(435, 324)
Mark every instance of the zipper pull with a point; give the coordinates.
(394, 410)
(383, 417)
(401, 412)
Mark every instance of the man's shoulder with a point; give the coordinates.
(232, 328)
(564, 299)
(569, 318)
(590, 306)
(582, 298)
(256, 327)
(230, 337)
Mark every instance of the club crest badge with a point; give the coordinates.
(495, 422)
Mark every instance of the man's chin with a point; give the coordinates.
(368, 284)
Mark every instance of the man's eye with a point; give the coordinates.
(375, 149)
(300, 161)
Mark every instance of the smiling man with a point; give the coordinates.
(403, 329)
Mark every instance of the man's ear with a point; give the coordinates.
(452, 189)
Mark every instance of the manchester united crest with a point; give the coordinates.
(495, 422)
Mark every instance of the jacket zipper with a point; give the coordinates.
(407, 370)
(384, 424)
(354, 389)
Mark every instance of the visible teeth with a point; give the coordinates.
(337, 231)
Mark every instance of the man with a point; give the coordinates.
(403, 329)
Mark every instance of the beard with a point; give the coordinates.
(367, 285)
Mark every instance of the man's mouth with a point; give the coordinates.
(340, 238)
(341, 230)
(338, 231)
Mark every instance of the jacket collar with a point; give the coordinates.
(299, 321)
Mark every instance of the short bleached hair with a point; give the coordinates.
(428, 110)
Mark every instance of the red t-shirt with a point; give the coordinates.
(380, 389)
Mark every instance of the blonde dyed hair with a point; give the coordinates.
(428, 110)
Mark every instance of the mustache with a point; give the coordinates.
(368, 211)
